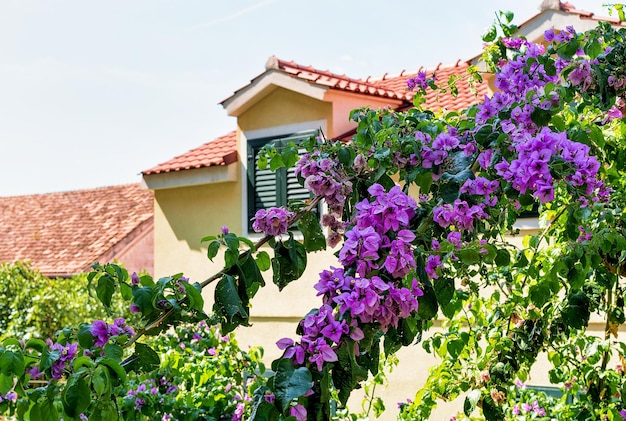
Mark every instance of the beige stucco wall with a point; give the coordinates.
(282, 107)
(182, 216)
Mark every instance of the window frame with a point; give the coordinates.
(282, 176)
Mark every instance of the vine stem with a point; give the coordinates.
(165, 315)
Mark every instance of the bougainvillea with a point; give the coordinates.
(423, 204)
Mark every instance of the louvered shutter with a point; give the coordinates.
(267, 188)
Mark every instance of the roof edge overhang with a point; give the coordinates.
(264, 84)
(191, 177)
(534, 28)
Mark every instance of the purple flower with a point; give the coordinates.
(419, 81)
(134, 308)
(299, 412)
(100, 331)
(134, 279)
(224, 229)
(432, 263)
(272, 221)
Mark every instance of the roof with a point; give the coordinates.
(223, 150)
(465, 97)
(388, 86)
(583, 14)
(64, 233)
(220, 151)
(393, 87)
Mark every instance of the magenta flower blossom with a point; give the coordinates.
(432, 263)
(100, 331)
(299, 412)
(272, 221)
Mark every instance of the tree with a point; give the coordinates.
(423, 203)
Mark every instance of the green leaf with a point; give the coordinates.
(289, 262)
(470, 402)
(469, 256)
(76, 395)
(82, 361)
(263, 261)
(444, 290)
(142, 297)
(105, 290)
(126, 291)
(276, 162)
(194, 295)
(314, 239)
(12, 363)
(490, 34)
(6, 384)
(35, 343)
(44, 410)
(114, 368)
(503, 257)
(229, 305)
(230, 258)
(250, 274)
(144, 360)
(455, 347)
(576, 313)
(213, 249)
(290, 383)
(232, 242)
(113, 351)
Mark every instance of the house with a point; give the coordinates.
(218, 184)
(62, 234)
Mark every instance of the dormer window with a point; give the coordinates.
(267, 188)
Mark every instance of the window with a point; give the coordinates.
(267, 188)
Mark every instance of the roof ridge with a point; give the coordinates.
(280, 64)
(90, 189)
(438, 67)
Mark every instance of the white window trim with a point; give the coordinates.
(243, 152)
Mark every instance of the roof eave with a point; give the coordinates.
(191, 177)
(264, 84)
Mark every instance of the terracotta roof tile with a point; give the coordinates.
(583, 14)
(220, 151)
(333, 80)
(389, 86)
(436, 101)
(64, 233)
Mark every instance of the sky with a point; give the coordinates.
(93, 92)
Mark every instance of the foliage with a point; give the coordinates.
(202, 375)
(425, 204)
(34, 306)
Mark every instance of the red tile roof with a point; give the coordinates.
(465, 97)
(583, 14)
(220, 151)
(64, 233)
(393, 87)
(333, 80)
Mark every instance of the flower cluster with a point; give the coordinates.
(322, 178)
(380, 227)
(11, 397)
(526, 408)
(419, 81)
(459, 214)
(151, 391)
(521, 83)
(530, 170)
(378, 240)
(103, 331)
(66, 354)
(272, 221)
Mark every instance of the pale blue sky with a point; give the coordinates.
(93, 92)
